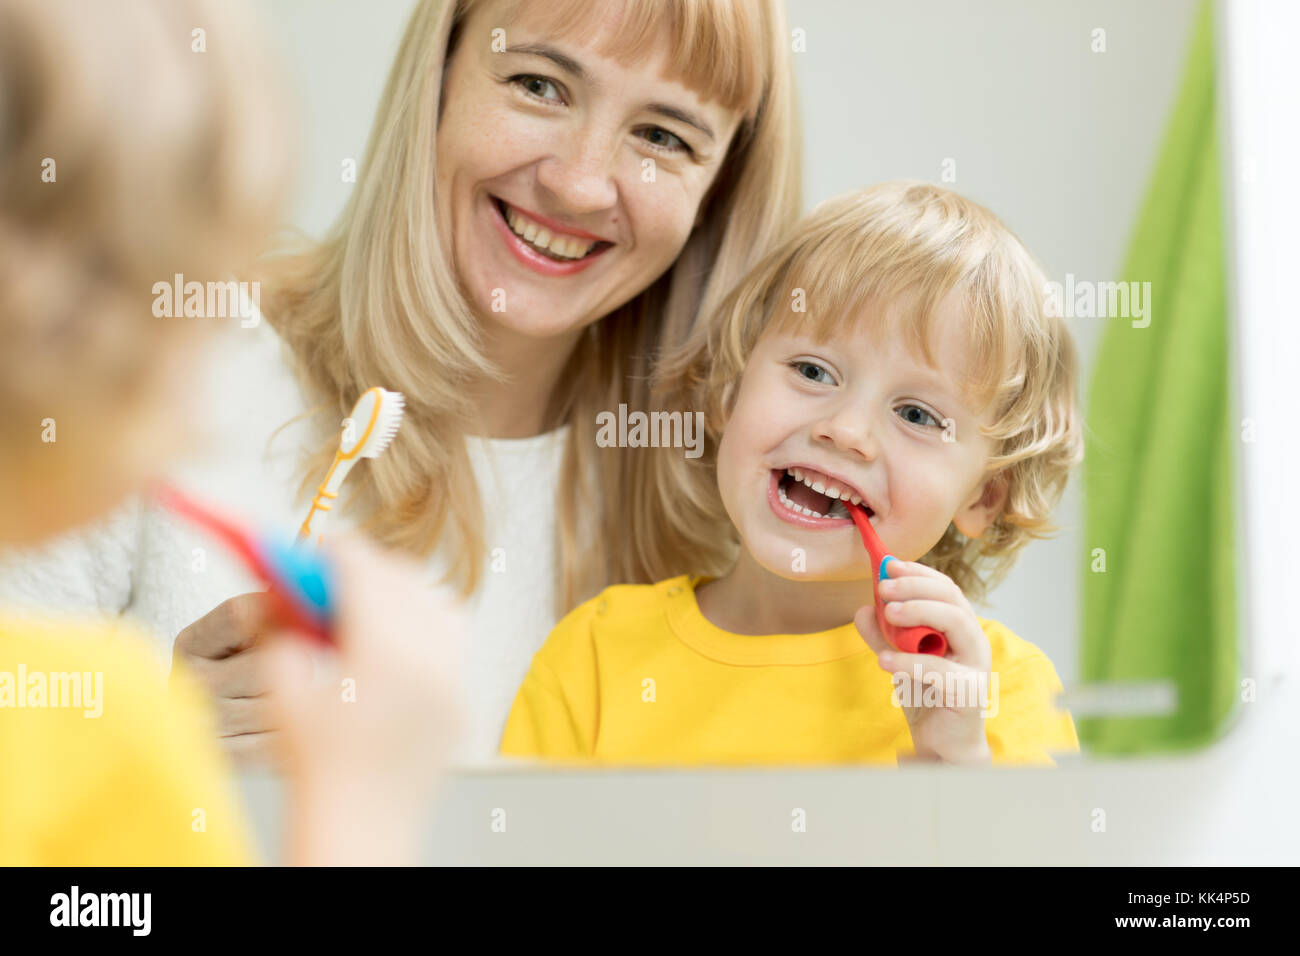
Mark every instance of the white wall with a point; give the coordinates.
(336, 55)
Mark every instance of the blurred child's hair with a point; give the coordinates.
(888, 255)
(138, 140)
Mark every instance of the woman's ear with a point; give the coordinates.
(983, 508)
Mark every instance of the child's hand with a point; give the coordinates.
(919, 595)
(367, 727)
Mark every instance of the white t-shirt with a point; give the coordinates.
(158, 569)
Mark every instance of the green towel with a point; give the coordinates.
(1158, 474)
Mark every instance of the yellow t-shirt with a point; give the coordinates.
(102, 765)
(638, 675)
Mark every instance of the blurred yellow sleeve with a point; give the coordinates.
(128, 774)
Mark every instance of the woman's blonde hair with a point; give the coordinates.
(138, 140)
(888, 255)
(377, 302)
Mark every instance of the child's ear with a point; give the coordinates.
(983, 508)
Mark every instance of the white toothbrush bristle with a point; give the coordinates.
(391, 407)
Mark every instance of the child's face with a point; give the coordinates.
(878, 422)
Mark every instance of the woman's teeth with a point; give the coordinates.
(541, 238)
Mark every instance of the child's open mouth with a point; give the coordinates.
(795, 498)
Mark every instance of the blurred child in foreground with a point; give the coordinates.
(141, 139)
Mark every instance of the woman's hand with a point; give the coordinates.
(224, 650)
(919, 595)
(367, 726)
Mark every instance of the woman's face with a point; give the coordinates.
(606, 162)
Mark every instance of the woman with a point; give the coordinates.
(657, 139)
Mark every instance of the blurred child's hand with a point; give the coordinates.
(366, 729)
(918, 595)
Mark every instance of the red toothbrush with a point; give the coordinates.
(299, 583)
(910, 640)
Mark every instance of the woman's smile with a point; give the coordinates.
(547, 251)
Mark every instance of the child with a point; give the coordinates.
(895, 352)
(138, 140)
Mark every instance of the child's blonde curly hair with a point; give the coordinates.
(909, 245)
(139, 139)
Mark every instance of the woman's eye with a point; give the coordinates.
(663, 140)
(916, 415)
(535, 86)
(812, 371)
(659, 138)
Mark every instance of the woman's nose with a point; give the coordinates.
(580, 173)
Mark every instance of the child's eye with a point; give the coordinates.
(916, 415)
(532, 85)
(810, 371)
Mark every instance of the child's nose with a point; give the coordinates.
(851, 431)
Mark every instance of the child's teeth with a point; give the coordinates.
(837, 509)
(780, 493)
(834, 492)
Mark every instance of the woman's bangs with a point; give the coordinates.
(715, 46)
